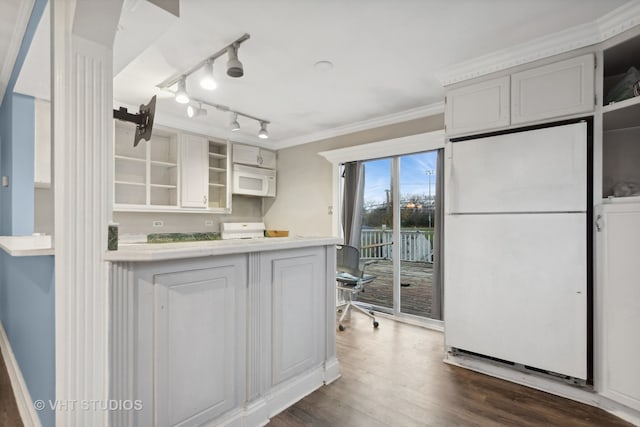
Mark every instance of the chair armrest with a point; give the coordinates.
(365, 264)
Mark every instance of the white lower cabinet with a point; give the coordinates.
(296, 282)
(618, 303)
(199, 345)
(228, 340)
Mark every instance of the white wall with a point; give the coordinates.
(245, 209)
(304, 191)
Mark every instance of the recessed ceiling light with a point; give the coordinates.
(323, 65)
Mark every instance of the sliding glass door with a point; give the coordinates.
(400, 227)
(416, 217)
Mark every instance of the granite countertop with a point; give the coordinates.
(139, 252)
(27, 245)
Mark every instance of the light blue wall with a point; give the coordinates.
(26, 283)
(27, 315)
(23, 142)
(6, 168)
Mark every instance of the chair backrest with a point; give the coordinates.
(348, 260)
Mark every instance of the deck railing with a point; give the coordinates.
(415, 245)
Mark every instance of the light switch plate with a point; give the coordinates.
(158, 223)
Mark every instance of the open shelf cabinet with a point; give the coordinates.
(145, 176)
(621, 120)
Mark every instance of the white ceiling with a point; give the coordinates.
(387, 55)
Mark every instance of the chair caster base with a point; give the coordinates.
(375, 324)
(342, 328)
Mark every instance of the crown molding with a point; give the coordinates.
(603, 28)
(17, 35)
(403, 116)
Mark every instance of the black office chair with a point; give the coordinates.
(351, 281)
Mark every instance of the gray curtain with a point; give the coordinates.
(353, 199)
(438, 241)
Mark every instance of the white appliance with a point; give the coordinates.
(252, 181)
(516, 248)
(242, 230)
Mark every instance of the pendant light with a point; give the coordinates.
(181, 94)
(208, 82)
(235, 126)
(234, 66)
(263, 134)
(196, 112)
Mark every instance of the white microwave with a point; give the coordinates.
(254, 181)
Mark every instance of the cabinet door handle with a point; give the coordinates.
(204, 200)
(598, 222)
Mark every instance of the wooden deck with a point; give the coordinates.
(415, 291)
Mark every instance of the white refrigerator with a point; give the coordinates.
(516, 248)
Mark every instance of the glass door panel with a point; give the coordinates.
(377, 233)
(417, 202)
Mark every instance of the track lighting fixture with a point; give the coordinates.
(235, 126)
(196, 111)
(181, 93)
(234, 69)
(208, 82)
(263, 134)
(234, 66)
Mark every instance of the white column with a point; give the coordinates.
(82, 100)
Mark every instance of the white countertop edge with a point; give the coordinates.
(180, 250)
(26, 245)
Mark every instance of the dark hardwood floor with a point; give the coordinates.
(9, 416)
(394, 376)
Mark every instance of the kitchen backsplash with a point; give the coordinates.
(245, 209)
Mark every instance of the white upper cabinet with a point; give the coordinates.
(173, 172)
(559, 89)
(195, 164)
(478, 107)
(267, 159)
(254, 156)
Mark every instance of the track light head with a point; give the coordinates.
(196, 112)
(234, 66)
(263, 134)
(181, 94)
(208, 82)
(235, 126)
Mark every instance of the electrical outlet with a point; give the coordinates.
(158, 223)
(208, 223)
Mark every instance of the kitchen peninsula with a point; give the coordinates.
(225, 332)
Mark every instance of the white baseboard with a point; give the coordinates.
(557, 388)
(331, 370)
(291, 391)
(23, 398)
